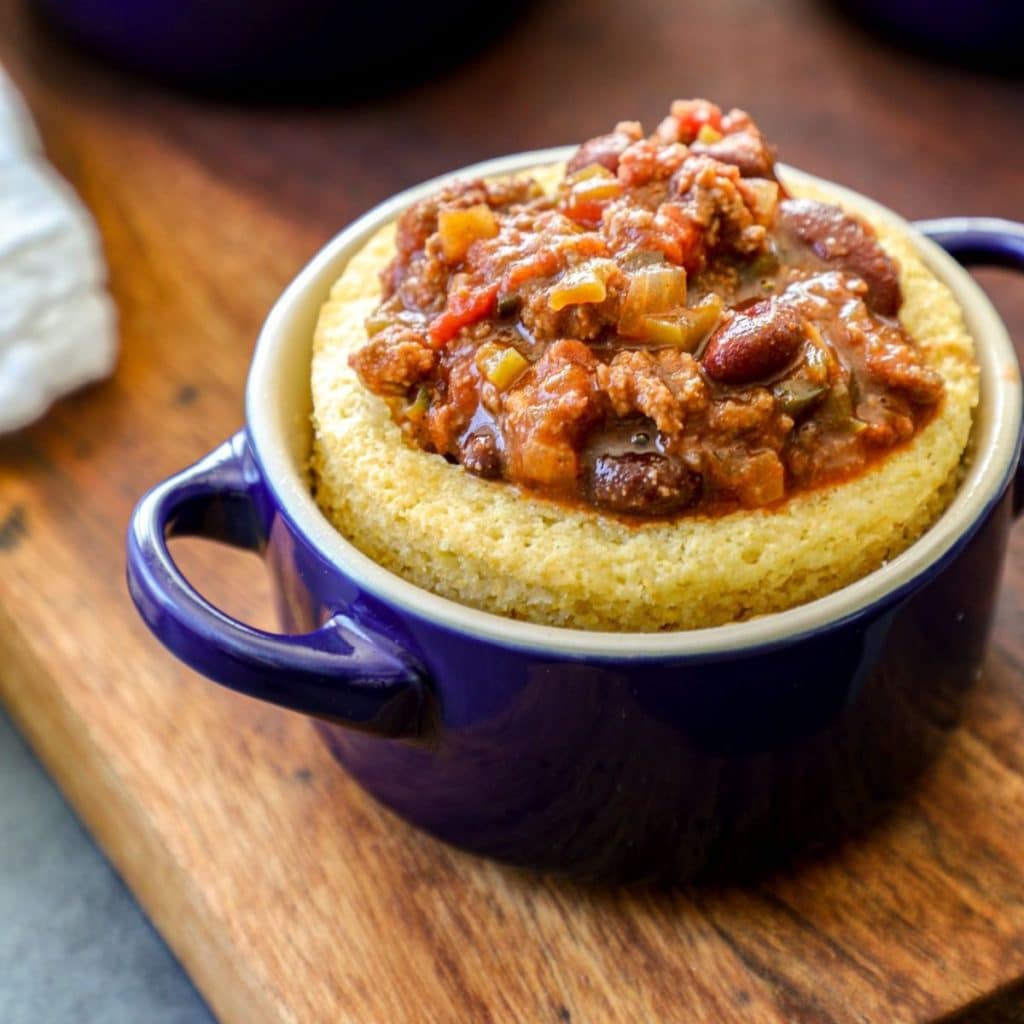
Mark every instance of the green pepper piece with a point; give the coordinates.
(797, 395)
(417, 409)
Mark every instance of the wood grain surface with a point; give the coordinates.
(289, 895)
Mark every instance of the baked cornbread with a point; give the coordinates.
(505, 549)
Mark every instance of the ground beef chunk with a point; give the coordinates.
(643, 483)
(533, 246)
(882, 352)
(605, 150)
(417, 268)
(838, 237)
(668, 229)
(504, 192)
(646, 161)
(709, 194)
(664, 386)
(547, 414)
(584, 321)
(456, 393)
(816, 453)
(421, 284)
(747, 412)
(419, 221)
(898, 366)
(751, 410)
(753, 478)
(739, 450)
(741, 145)
(394, 361)
(887, 419)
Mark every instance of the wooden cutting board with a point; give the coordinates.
(286, 892)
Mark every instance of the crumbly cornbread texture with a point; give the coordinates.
(489, 545)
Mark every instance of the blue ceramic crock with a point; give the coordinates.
(596, 754)
(275, 47)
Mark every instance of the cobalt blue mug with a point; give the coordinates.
(602, 755)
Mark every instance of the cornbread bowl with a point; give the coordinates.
(486, 544)
(593, 752)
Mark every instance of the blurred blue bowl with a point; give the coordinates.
(278, 45)
(975, 31)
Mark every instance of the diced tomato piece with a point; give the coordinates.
(572, 248)
(692, 114)
(465, 306)
(678, 236)
(585, 211)
(537, 264)
(681, 237)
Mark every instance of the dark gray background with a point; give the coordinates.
(74, 946)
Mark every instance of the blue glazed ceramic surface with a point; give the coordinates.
(274, 46)
(986, 31)
(601, 755)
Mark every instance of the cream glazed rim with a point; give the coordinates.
(278, 407)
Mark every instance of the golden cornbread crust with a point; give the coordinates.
(489, 545)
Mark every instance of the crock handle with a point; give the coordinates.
(982, 242)
(341, 672)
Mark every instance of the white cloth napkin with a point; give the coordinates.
(57, 322)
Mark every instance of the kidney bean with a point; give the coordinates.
(642, 483)
(839, 238)
(754, 345)
(480, 455)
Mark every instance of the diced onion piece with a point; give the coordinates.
(653, 289)
(683, 328)
(586, 283)
(817, 365)
(596, 189)
(642, 259)
(708, 134)
(577, 288)
(664, 331)
(817, 356)
(589, 172)
(376, 322)
(587, 192)
(762, 195)
(459, 229)
(501, 365)
(704, 317)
